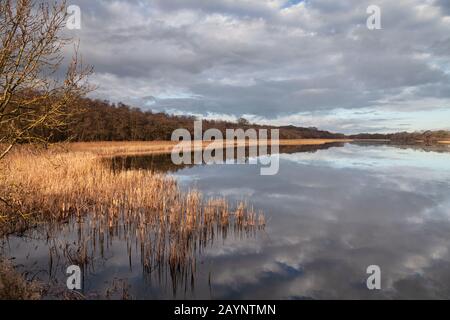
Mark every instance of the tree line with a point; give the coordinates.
(425, 137)
(100, 120)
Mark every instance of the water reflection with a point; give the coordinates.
(439, 148)
(163, 162)
(165, 252)
(331, 213)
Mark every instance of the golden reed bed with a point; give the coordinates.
(55, 184)
(108, 148)
(50, 187)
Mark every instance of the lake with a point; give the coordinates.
(331, 211)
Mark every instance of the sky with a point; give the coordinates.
(311, 63)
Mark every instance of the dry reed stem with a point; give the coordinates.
(139, 206)
(115, 148)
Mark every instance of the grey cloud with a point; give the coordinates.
(253, 8)
(267, 58)
(444, 5)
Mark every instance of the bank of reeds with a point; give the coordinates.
(56, 185)
(145, 208)
(116, 148)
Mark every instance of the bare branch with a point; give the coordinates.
(33, 102)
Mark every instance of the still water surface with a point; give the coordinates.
(331, 212)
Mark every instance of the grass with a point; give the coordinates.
(137, 206)
(56, 185)
(13, 286)
(107, 148)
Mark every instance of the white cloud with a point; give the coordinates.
(270, 59)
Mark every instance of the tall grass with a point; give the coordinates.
(56, 185)
(115, 148)
(143, 208)
(13, 286)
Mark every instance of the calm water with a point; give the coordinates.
(332, 211)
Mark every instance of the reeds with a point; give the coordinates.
(14, 286)
(116, 148)
(143, 208)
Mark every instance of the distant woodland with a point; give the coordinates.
(427, 137)
(99, 120)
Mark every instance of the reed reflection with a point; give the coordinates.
(167, 244)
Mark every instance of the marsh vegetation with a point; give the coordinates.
(142, 208)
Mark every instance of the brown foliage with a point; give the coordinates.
(105, 121)
(13, 286)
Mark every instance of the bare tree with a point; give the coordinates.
(36, 98)
(243, 122)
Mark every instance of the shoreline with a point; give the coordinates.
(125, 148)
(160, 147)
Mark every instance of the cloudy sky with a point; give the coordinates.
(307, 63)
